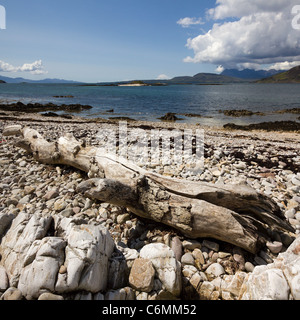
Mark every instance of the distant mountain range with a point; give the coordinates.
(250, 74)
(21, 80)
(205, 78)
(227, 76)
(290, 76)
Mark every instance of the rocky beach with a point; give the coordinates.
(57, 244)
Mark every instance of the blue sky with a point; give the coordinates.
(96, 40)
(100, 40)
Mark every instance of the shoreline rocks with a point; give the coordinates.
(268, 126)
(38, 107)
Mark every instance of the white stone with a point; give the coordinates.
(25, 229)
(215, 270)
(274, 247)
(296, 181)
(86, 257)
(233, 283)
(12, 294)
(241, 165)
(206, 290)
(41, 266)
(290, 213)
(168, 269)
(188, 271)
(269, 284)
(4, 283)
(50, 296)
(289, 262)
(191, 244)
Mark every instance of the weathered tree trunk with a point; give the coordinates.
(236, 214)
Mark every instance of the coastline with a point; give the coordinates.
(21, 116)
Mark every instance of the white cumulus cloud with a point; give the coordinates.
(286, 65)
(34, 68)
(220, 69)
(248, 33)
(162, 77)
(187, 22)
(241, 8)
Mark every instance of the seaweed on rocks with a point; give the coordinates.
(38, 107)
(170, 117)
(240, 113)
(268, 126)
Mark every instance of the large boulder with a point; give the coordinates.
(265, 284)
(41, 266)
(76, 258)
(277, 281)
(142, 275)
(168, 269)
(87, 254)
(25, 229)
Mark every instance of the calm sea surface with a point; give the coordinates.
(150, 103)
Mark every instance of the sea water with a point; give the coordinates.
(151, 102)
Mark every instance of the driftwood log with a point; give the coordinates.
(236, 214)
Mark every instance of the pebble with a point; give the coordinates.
(122, 218)
(188, 258)
(176, 246)
(290, 213)
(239, 259)
(191, 244)
(25, 200)
(211, 245)
(260, 261)
(198, 255)
(241, 165)
(265, 256)
(50, 296)
(12, 294)
(59, 205)
(296, 181)
(22, 164)
(51, 194)
(274, 247)
(88, 204)
(67, 212)
(214, 270)
(249, 267)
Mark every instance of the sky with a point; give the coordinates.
(116, 40)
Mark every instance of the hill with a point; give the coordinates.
(290, 76)
(1, 81)
(204, 78)
(250, 74)
(21, 80)
(198, 79)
